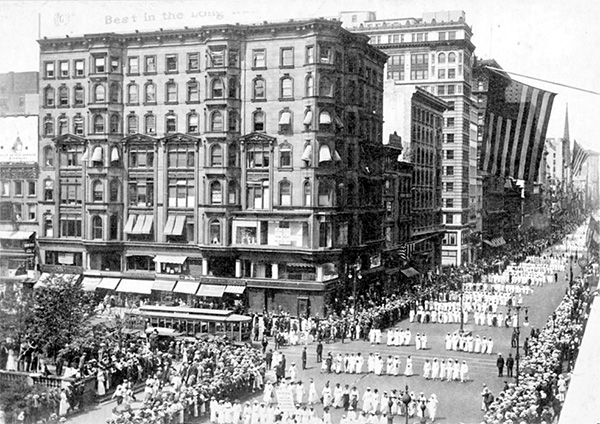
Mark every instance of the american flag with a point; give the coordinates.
(403, 252)
(579, 157)
(516, 120)
(593, 233)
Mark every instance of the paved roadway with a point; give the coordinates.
(458, 402)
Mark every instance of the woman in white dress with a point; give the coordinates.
(464, 372)
(427, 369)
(100, 378)
(11, 361)
(408, 371)
(312, 393)
(418, 341)
(396, 366)
(432, 405)
(326, 395)
(268, 392)
(456, 370)
(449, 369)
(423, 341)
(338, 393)
(64, 406)
(435, 369)
(378, 365)
(442, 370)
(490, 346)
(448, 342)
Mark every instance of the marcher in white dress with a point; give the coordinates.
(464, 372)
(408, 371)
(435, 369)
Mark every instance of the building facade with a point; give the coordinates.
(416, 117)
(435, 52)
(214, 160)
(18, 179)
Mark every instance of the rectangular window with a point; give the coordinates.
(325, 54)
(258, 156)
(449, 187)
(99, 64)
(141, 192)
(451, 73)
(5, 188)
(150, 64)
(450, 90)
(171, 63)
(70, 226)
(181, 156)
(419, 66)
(441, 74)
(449, 218)
(234, 58)
(310, 54)
(79, 68)
(287, 57)
(71, 192)
(441, 36)
(18, 188)
(31, 212)
(141, 157)
(449, 203)
(451, 35)
(259, 58)
(441, 90)
(193, 62)
(133, 65)
(181, 193)
(449, 170)
(115, 64)
(31, 188)
(396, 67)
(64, 69)
(450, 122)
(49, 69)
(216, 57)
(449, 138)
(449, 154)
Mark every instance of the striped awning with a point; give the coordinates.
(186, 287)
(235, 289)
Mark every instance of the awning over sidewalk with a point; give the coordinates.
(90, 283)
(211, 290)
(135, 286)
(163, 285)
(166, 259)
(235, 289)
(410, 272)
(109, 283)
(186, 287)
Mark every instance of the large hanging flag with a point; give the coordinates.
(516, 120)
(593, 233)
(579, 157)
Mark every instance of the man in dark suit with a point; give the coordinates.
(319, 352)
(304, 358)
(500, 364)
(269, 358)
(510, 363)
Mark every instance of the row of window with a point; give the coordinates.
(20, 188)
(216, 57)
(13, 211)
(217, 121)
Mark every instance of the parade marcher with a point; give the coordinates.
(500, 364)
(408, 370)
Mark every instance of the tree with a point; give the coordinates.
(60, 313)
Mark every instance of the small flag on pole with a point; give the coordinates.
(516, 120)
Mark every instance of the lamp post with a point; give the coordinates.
(406, 400)
(462, 318)
(525, 324)
(355, 279)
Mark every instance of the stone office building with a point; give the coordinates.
(214, 160)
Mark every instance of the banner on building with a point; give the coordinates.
(516, 120)
(18, 139)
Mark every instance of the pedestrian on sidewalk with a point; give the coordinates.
(510, 363)
(304, 358)
(500, 364)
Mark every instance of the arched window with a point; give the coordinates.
(451, 57)
(99, 94)
(48, 156)
(63, 125)
(216, 88)
(285, 156)
(285, 121)
(216, 121)
(115, 184)
(150, 124)
(115, 121)
(98, 124)
(216, 193)
(234, 120)
(48, 126)
(193, 91)
(232, 155)
(287, 88)
(132, 124)
(285, 193)
(307, 193)
(78, 125)
(233, 88)
(325, 87)
(63, 96)
(214, 232)
(132, 94)
(78, 95)
(49, 97)
(232, 192)
(114, 93)
(97, 191)
(150, 93)
(258, 120)
(97, 156)
(171, 92)
(325, 193)
(113, 227)
(259, 89)
(324, 121)
(310, 86)
(192, 123)
(216, 155)
(96, 227)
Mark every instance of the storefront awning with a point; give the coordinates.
(410, 272)
(167, 259)
(47, 278)
(134, 286)
(186, 287)
(16, 235)
(90, 283)
(163, 285)
(143, 224)
(109, 283)
(174, 225)
(211, 290)
(235, 289)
